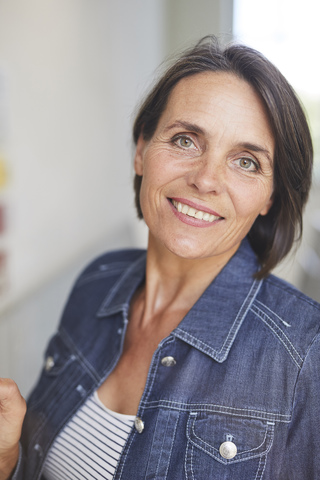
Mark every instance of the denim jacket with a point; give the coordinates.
(231, 393)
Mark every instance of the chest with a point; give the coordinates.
(123, 389)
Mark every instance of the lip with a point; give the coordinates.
(194, 222)
(196, 206)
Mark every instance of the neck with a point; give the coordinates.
(174, 283)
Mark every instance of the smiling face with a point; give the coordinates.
(207, 171)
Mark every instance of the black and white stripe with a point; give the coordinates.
(90, 445)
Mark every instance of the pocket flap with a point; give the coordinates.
(247, 437)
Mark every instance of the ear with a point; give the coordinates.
(267, 206)
(138, 158)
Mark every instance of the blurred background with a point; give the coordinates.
(71, 75)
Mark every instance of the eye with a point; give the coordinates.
(183, 141)
(248, 164)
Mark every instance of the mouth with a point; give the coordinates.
(194, 212)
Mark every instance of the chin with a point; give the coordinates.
(186, 250)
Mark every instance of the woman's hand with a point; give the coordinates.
(12, 412)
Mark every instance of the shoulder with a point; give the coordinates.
(114, 271)
(288, 313)
(280, 293)
(112, 263)
(107, 259)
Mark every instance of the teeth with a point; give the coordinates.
(185, 209)
(192, 212)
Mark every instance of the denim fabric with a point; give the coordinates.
(247, 371)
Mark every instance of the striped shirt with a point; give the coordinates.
(90, 445)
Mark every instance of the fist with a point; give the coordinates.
(12, 412)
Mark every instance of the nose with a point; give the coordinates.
(207, 175)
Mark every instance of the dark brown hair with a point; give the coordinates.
(273, 235)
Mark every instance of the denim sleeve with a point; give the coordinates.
(302, 455)
(18, 472)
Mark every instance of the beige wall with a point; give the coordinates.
(189, 20)
(74, 71)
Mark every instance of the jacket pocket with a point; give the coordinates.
(226, 447)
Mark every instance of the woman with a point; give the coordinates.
(190, 360)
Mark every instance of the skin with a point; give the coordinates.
(207, 172)
(12, 412)
(213, 148)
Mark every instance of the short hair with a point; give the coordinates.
(271, 236)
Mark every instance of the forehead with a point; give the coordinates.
(209, 99)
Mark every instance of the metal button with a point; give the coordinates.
(228, 450)
(168, 361)
(38, 449)
(81, 390)
(139, 424)
(49, 364)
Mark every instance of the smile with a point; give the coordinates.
(192, 212)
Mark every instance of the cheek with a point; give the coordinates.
(150, 191)
(159, 173)
(250, 200)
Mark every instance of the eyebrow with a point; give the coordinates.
(192, 127)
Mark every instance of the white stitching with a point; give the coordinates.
(242, 312)
(274, 313)
(262, 315)
(173, 438)
(241, 412)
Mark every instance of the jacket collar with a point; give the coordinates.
(213, 322)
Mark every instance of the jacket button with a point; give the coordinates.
(139, 424)
(228, 450)
(168, 361)
(38, 449)
(49, 364)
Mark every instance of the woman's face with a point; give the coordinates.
(207, 171)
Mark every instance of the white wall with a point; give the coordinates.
(74, 70)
